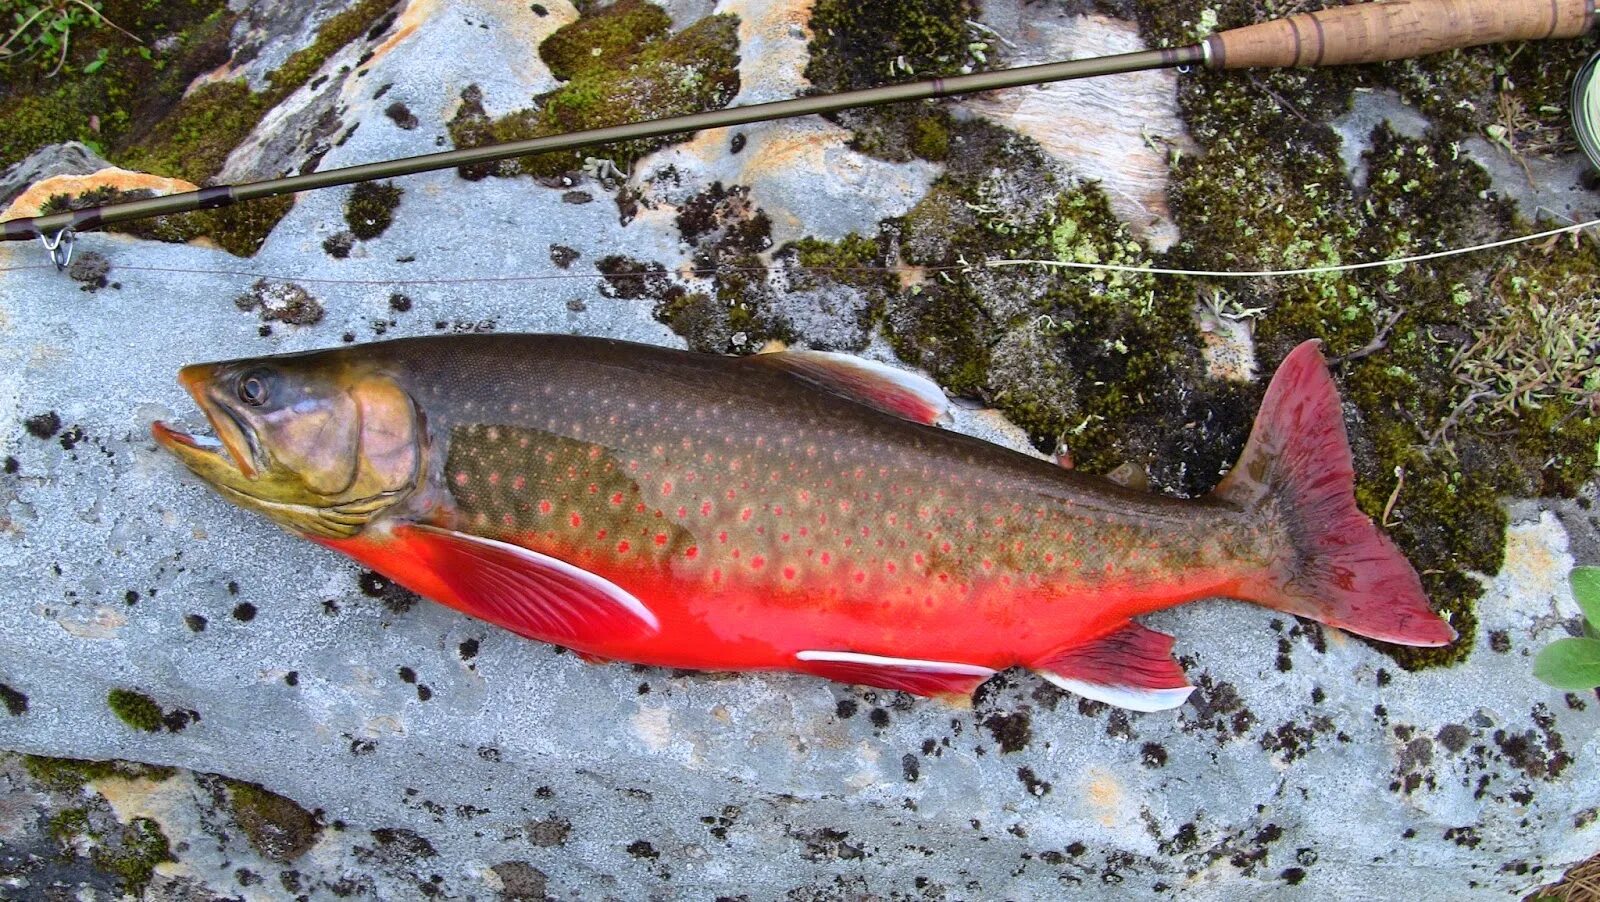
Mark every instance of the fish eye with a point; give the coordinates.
(252, 388)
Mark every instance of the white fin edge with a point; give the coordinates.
(1131, 697)
(851, 657)
(599, 583)
(915, 384)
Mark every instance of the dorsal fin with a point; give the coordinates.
(894, 391)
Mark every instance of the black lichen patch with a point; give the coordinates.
(549, 833)
(1034, 785)
(828, 844)
(520, 881)
(195, 622)
(402, 845)
(43, 426)
(401, 115)
(395, 597)
(283, 302)
(15, 701)
(1012, 731)
(1153, 754)
(642, 72)
(275, 825)
(1215, 707)
(244, 612)
(369, 210)
(339, 245)
(629, 279)
(562, 256)
(641, 848)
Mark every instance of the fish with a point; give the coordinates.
(793, 511)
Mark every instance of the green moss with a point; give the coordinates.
(134, 857)
(331, 38)
(370, 208)
(136, 83)
(135, 709)
(856, 45)
(194, 140)
(859, 45)
(1270, 192)
(276, 826)
(691, 71)
(67, 825)
(71, 775)
(598, 40)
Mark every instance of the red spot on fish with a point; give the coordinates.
(691, 552)
(722, 537)
(594, 488)
(757, 562)
(616, 497)
(788, 573)
(544, 506)
(600, 535)
(860, 577)
(1049, 557)
(944, 547)
(461, 479)
(666, 488)
(826, 557)
(494, 478)
(705, 509)
(716, 575)
(784, 537)
(507, 520)
(661, 538)
(745, 514)
(735, 553)
(918, 559)
(730, 495)
(639, 508)
(576, 521)
(519, 483)
(623, 546)
(891, 566)
(988, 564)
(682, 512)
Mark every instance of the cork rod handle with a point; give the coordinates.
(1394, 29)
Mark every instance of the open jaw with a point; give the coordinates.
(229, 456)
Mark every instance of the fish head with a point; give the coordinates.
(322, 444)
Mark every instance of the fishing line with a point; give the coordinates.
(869, 270)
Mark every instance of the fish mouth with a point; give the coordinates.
(231, 452)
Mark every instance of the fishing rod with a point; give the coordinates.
(1358, 33)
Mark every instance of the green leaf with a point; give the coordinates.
(1586, 589)
(1569, 664)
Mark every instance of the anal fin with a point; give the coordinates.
(524, 591)
(1130, 667)
(935, 678)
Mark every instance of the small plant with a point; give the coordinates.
(1575, 663)
(43, 28)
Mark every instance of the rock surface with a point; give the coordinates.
(435, 756)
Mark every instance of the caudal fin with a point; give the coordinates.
(1296, 471)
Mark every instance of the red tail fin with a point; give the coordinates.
(1336, 567)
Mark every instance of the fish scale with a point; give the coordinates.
(788, 511)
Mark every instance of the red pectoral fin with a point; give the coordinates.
(1131, 668)
(905, 674)
(524, 591)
